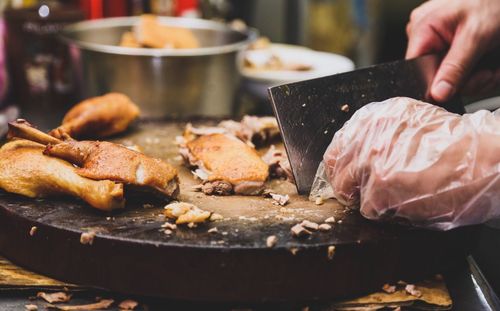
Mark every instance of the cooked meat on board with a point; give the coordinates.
(25, 170)
(98, 117)
(225, 164)
(106, 161)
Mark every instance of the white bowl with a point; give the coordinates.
(257, 81)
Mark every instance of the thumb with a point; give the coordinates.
(457, 63)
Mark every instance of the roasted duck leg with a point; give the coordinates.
(98, 117)
(226, 164)
(104, 160)
(25, 170)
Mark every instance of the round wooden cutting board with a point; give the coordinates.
(131, 254)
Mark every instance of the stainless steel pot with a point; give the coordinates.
(162, 82)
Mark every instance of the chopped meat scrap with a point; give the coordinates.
(215, 217)
(101, 305)
(31, 307)
(279, 199)
(309, 225)
(217, 187)
(412, 290)
(128, 304)
(271, 241)
(169, 226)
(330, 220)
(389, 288)
(186, 213)
(330, 252)
(324, 227)
(87, 238)
(319, 201)
(54, 297)
(33, 230)
(299, 231)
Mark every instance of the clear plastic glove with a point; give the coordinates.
(407, 159)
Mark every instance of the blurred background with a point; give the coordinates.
(39, 73)
(367, 32)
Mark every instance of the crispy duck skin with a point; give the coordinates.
(26, 171)
(105, 160)
(98, 117)
(228, 161)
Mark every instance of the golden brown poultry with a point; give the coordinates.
(98, 117)
(150, 33)
(25, 170)
(105, 160)
(226, 164)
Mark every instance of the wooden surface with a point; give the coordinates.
(131, 255)
(12, 276)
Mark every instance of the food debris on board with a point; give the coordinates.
(56, 297)
(213, 230)
(319, 201)
(100, 305)
(330, 220)
(31, 307)
(128, 304)
(186, 213)
(215, 217)
(87, 238)
(389, 288)
(271, 241)
(309, 225)
(33, 230)
(324, 227)
(169, 226)
(330, 252)
(412, 290)
(299, 231)
(279, 199)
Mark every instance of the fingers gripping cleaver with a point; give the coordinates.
(310, 112)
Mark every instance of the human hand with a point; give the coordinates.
(466, 29)
(403, 158)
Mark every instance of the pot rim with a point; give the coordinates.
(191, 23)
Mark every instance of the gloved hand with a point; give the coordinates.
(403, 158)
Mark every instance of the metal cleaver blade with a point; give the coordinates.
(310, 112)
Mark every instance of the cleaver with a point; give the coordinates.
(310, 112)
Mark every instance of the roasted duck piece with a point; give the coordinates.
(25, 170)
(105, 160)
(98, 117)
(225, 164)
